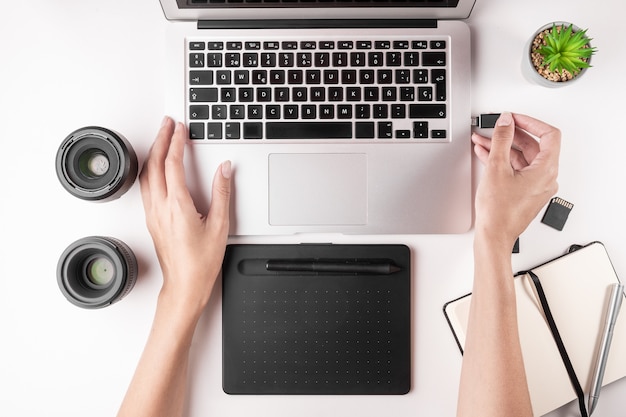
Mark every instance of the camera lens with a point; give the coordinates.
(96, 164)
(96, 271)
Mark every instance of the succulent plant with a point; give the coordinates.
(565, 49)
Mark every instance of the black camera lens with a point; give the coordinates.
(96, 271)
(96, 164)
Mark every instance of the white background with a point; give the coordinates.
(66, 64)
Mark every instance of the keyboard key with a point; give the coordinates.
(366, 76)
(313, 76)
(420, 130)
(382, 45)
(222, 77)
(345, 45)
(420, 76)
(197, 46)
(196, 60)
(200, 77)
(268, 59)
(385, 130)
(437, 44)
(389, 93)
(215, 45)
(214, 59)
(327, 111)
(344, 111)
(285, 59)
(271, 45)
(218, 112)
(255, 112)
(290, 111)
(434, 59)
(424, 94)
(401, 44)
(250, 59)
(253, 45)
(272, 111)
(438, 134)
(198, 112)
(233, 59)
(411, 59)
(419, 44)
(327, 44)
(290, 45)
(403, 134)
(393, 59)
(308, 45)
(340, 59)
(427, 111)
(203, 95)
(214, 131)
(357, 59)
(375, 59)
(305, 59)
(228, 95)
(242, 77)
(234, 46)
(232, 130)
(322, 59)
(196, 130)
(308, 130)
(364, 130)
(237, 112)
(277, 77)
(252, 130)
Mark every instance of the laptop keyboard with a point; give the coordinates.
(309, 90)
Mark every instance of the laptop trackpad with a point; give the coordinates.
(317, 189)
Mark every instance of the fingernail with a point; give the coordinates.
(226, 169)
(164, 121)
(505, 119)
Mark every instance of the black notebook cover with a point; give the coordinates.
(306, 332)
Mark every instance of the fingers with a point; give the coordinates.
(549, 136)
(525, 148)
(152, 177)
(174, 168)
(220, 201)
(502, 140)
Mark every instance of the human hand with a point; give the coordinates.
(190, 246)
(520, 175)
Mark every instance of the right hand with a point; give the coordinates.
(520, 175)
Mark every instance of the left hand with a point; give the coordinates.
(190, 245)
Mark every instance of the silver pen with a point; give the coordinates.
(612, 310)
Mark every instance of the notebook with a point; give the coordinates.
(339, 116)
(316, 319)
(577, 288)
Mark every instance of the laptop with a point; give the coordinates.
(339, 116)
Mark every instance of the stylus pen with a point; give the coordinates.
(612, 310)
(332, 266)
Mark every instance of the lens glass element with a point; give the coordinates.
(100, 271)
(93, 163)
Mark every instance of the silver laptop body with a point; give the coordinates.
(320, 163)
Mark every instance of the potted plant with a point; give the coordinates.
(559, 53)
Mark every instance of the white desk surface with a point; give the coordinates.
(72, 63)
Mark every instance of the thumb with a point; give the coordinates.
(502, 139)
(220, 200)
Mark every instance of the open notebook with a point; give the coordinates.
(577, 286)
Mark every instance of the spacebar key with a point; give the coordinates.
(308, 130)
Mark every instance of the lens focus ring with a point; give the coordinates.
(96, 271)
(96, 164)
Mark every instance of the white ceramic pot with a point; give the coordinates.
(528, 69)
